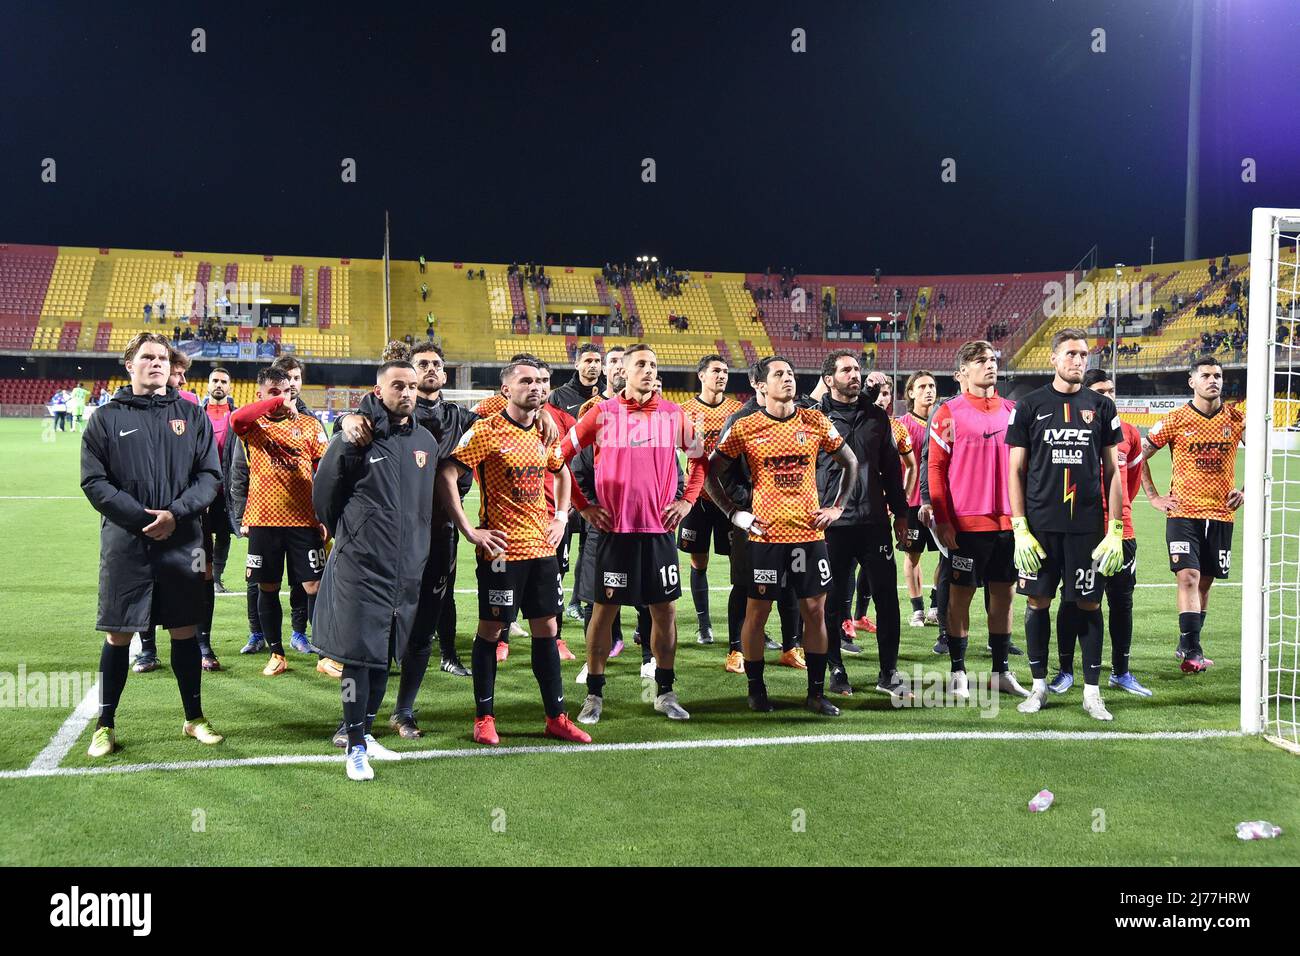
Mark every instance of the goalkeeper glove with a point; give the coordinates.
(1109, 555)
(743, 520)
(1029, 553)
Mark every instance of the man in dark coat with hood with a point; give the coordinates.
(377, 502)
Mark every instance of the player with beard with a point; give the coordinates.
(1202, 437)
(707, 524)
(861, 535)
(1063, 462)
(637, 436)
(786, 526)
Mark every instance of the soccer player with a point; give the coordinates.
(298, 613)
(283, 448)
(77, 405)
(516, 542)
(585, 383)
(1120, 585)
(921, 393)
(861, 535)
(1063, 439)
(637, 435)
(149, 467)
(377, 500)
(1202, 437)
(706, 524)
(787, 539)
(218, 405)
(968, 464)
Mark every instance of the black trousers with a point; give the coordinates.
(872, 547)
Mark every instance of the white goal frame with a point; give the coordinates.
(1270, 588)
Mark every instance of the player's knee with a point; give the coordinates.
(1088, 605)
(700, 562)
(269, 587)
(1038, 603)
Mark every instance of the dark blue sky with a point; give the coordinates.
(828, 160)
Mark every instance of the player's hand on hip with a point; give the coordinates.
(946, 535)
(1236, 498)
(162, 526)
(555, 531)
(491, 540)
(357, 430)
(823, 518)
(1165, 503)
(674, 513)
(597, 517)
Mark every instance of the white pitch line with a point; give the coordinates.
(710, 744)
(42, 497)
(68, 734)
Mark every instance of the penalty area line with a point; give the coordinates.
(281, 760)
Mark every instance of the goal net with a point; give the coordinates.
(1270, 605)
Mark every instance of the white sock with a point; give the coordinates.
(1092, 693)
(1040, 685)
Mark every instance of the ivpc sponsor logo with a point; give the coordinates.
(77, 909)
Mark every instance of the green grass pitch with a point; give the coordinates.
(914, 800)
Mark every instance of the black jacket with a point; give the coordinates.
(879, 491)
(572, 394)
(448, 422)
(377, 502)
(148, 451)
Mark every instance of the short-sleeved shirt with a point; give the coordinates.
(1065, 435)
(782, 458)
(1204, 451)
(710, 420)
(510, 463)
(282, 457)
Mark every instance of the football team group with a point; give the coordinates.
(807, 496)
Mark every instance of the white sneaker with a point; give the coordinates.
(516, 630)
(1005, 683)
(932, 617)
(667, 705)
(1096, 709)
(591, 708)
(958, 686)
(582, 676)
(1033, 703)
(917, 619)
(359, 765)
(377, 751)
(648, 669)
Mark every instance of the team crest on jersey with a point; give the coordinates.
(178, 426)
(421, 457)
(801, 438)
(1087, 415)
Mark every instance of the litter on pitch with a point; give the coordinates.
(1041, 801)
(1258, 830)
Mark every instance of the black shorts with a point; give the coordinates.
(270, 549)
(983, 558)
(919, 538)
(1068, 564)
(803, 567)
(1201, 544)
(637, 568)
(1124, 580)
(506, 588)
(704, 522)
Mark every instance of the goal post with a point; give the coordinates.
(1270, 598)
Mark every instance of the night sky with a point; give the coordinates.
(828, 160)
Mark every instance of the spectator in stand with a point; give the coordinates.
(409, 340)
(1226, 263)
(877, 275)
(424, 290)
(148, 313)
(1213, 269)
(938, 331)
(421, 265)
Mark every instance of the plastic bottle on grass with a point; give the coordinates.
(1258, 830)
(1042, 800)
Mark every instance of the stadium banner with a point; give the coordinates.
(191, 347)
(266, 350)
(1155, 405)
(229, 350)
(247, 350)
